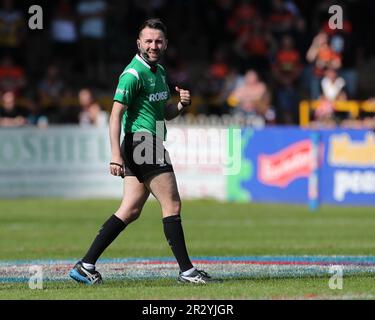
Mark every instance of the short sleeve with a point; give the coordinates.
(127, 88)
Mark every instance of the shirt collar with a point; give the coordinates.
(153, 68)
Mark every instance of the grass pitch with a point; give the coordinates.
(36, 229)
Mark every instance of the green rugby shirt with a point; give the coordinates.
(146, 94)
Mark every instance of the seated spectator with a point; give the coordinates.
(252, 98)
(333, 86)
(253, 47)
(51, 86)
(286, 72)
(333, 89)
(63, 27)
(66, 110)
(64, 35)
(231, 81)
(92, 14)
(243, 13)
(11, 115)
(12, 30)
(322, 57)
(219, 67)
(212, 84)
(12, 77)
(35, 114)
(281, 18)
(344, 42)
(91, 112)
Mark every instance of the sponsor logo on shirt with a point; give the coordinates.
(158, 96)
(152, 83)
(121, 91)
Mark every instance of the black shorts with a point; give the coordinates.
(144, 156)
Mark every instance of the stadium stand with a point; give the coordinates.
(287, 43)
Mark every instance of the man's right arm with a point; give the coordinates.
(126, 91)
(114, 137)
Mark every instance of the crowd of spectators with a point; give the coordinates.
(242, 57)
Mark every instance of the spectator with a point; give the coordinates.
(12, 77)
(300, 37)
(64, 35)
(219, 67)
(51, 86)
(241, 18)
(232, 81)
(67, 110)
(322, 57)
(333, 89)
(344, 43)
(92, 15)
(281, 19)
(212, 84)
(63, 27)
(254, 46)
(11, 115)
(252, 98)
(333, 86)
(35, 115)
(12, 30)
(91, 112)
(286, 72)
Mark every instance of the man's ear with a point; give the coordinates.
(166, 44)
(138, 44)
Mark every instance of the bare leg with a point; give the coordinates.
(164, 188)
(135, 195)
(134, 198)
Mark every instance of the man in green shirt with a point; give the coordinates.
(141, 107)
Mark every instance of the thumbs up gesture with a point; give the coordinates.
(185, 99)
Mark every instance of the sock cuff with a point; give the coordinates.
(188, 272)
(116, 222)
(170, 219)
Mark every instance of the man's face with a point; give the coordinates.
(9, 100)
(152, 44)
(85, 98)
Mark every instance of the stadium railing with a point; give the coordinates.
(354, 107)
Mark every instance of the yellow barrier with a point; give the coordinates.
(352, 106)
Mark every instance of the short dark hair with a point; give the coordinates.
(154, 23)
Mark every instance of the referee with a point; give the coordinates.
(141, 108)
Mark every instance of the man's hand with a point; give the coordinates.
(173, 110)
(185, 99)
(116, 166)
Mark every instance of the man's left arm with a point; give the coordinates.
(172, 111)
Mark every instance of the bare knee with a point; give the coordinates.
(129, 215)
(171, 208)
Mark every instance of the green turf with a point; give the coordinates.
(63, 229)
(296, 288)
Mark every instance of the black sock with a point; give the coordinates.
(108, 232)
(175, 237)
